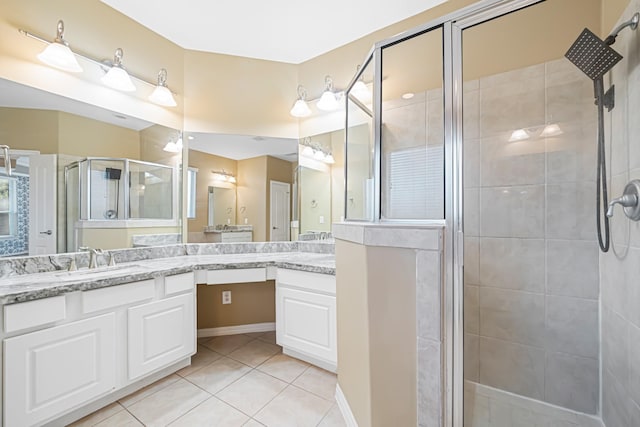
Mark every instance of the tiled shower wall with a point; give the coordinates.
(531, 258)
(620, 267)
(19, 244)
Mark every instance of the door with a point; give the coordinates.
(52, 371)
(42, 204)
(280, 211)
(160, 333)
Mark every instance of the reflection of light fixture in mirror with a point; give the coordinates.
(319, 155)
(314, 150)
(161, 95)
(174, 147)
(408, 95)
(550, 130)
(329, 99)
(117, 77)
(224, 176)
(329, 159)
(360, 89)
(300, 108)
(307, 151)
(519, 135)
(58, 54)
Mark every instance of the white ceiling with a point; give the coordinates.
(290, 31)
(239, 147)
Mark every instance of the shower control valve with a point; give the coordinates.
(629, 201)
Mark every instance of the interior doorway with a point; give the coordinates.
(280, 211)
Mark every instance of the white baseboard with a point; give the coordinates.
(320, 363)
(239, 329)
(343, 405)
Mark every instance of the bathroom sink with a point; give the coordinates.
(100, 271)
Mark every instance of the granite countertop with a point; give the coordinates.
(29, 287)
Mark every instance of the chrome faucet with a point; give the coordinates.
(93, 255)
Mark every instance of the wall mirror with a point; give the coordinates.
(100, 178)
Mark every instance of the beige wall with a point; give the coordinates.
(206, 163)
(251, 195)
(25, 129)
(117, 238)
(84, 137)
(612, 11)
(250, 303)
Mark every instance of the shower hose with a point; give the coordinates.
(602, 196)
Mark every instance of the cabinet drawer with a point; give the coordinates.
(244, 275)
(325, 283)
(50, 372)
(114, 296)
(34, 313)
(179, 283)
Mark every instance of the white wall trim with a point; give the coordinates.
(239, 329)
(345, 409)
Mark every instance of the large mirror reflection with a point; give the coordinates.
(100, 179)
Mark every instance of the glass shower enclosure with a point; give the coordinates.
(478, 123)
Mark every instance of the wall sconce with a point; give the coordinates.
(117, 77)
(315, 151)
(161, 94)
(300, 108)
(224, 176)
(329, 99)
(58, 54)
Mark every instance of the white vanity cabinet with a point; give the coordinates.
(233, 237)
(306, 316)
(50, 371)
(88, 346)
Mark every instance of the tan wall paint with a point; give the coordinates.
(277, 170)
(250, 303)
(611, 13)
(251, 193)
(236, 95)
(83, 137)
(26, 129)
(204, 178)
(352, 307)
(152, 142)
(392, 335)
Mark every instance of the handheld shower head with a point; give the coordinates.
(592, 56)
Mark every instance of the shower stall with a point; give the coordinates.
(121, 196)
(480, 124)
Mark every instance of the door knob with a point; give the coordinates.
(48, 232)
(629, 200)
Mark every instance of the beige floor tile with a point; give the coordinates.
(202, 358)
(226, 344)
(253, 423)
(219, 374)
(333, 418)
(284, 367)
(255, 335)
(99, 415)
(211, 413)
(254, 353)
(121, 419)
(294, 407)
(168, 404)
(318, 381)
(148, 390)
(251, 392)
(269, 337)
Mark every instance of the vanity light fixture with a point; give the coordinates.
(519, 135)
(550, 130)
(161, 95)
(58, 54)
(314, 150)
(543, 131)
(329, 99)
(223, 176)
(360, 89)
(329, 159)
(117, 77)
(300, 108)
(174, 147)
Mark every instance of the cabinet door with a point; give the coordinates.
(54, 370)
(306, 322)
(160, 333)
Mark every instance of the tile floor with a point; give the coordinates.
(235, 380)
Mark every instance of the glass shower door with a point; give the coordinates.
(530, 253)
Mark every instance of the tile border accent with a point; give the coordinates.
(408, 236)
(238, 329)
(344, 407)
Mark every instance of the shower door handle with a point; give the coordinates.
(48, 232)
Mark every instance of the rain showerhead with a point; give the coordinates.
(592, 56)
